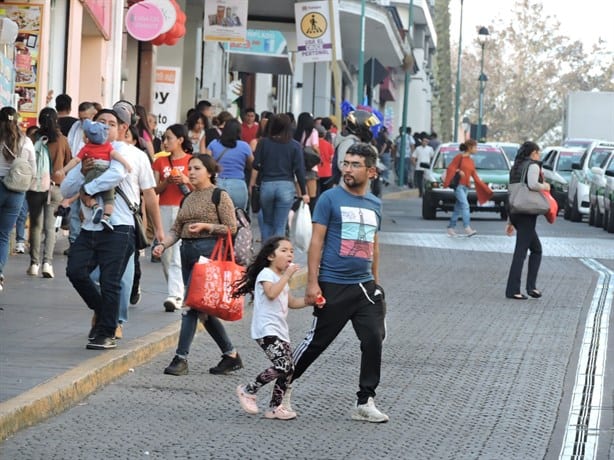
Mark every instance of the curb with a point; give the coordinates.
(401, 194)
(65, 390)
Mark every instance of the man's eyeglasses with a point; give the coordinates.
(352, 165)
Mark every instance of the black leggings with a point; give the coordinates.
(280, 354)
(526, 240)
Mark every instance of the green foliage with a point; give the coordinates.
(531, 68)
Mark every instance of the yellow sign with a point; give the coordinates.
(314, 25)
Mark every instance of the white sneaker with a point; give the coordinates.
(369, 413)
(20, 248)
(172, 303)
(33, 270)
(280, 413)
(286, 399)
(451, 232)
(247, 401)
(47, 270)
(1, 282)
(470, 232)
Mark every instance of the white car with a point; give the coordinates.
(597, 191)
(578, 193)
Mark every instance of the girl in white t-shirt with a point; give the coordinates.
(267, 279)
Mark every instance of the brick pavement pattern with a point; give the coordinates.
(466, 374)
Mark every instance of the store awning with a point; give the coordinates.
(264, 51)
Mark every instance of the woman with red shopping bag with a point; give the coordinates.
(199, 223)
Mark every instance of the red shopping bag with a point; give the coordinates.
(554, 207)
(210, 289)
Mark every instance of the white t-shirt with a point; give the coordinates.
(422, 154)
(269, 316)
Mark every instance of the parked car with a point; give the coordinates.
(608, 199)
(556, 164)
(492, 166)
(510, 149)
(578, 202)
(597, 191)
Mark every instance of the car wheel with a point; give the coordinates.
(591, 215)
(610, 227)
(598, 217)
(575, 215)
(428, 208)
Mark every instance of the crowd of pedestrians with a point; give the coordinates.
(105, 169)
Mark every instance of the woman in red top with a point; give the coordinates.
(172, 185)
(325, 168)
(463, 164)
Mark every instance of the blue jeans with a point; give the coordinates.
(20, 225)
(110, 251)
(191, 250)
(386, 158)
(125, 289)
(461, 207)
(237, 189)
(10, 205)
(276, 198)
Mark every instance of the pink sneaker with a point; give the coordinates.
(247, 401)
(281, 413)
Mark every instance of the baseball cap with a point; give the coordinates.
(97, 133)
(125, 111)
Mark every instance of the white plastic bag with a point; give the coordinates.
(300, 230)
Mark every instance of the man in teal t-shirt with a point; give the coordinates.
(342, 267)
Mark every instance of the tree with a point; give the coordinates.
(531, 68)
(443, 112)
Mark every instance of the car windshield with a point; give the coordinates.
(510, 151)
(483, 159)
(566, 159)
(598, 157)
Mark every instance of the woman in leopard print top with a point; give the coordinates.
(198, 224)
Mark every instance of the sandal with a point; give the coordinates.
(535, 293)
(517, 297)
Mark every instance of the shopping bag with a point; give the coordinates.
(300, 230)
(210, 289)
(554, 207)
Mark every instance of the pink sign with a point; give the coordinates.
(100, 10)
(144, 21)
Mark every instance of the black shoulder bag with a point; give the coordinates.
(140, 233)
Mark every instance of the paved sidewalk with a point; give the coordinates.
(44, 365)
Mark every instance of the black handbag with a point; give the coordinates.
(140, 233)
(457, 177)
(310, 157)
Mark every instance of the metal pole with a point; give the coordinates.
(335, 62)
(479, 130)
(410, 25)
(458, 78)
(361, 54)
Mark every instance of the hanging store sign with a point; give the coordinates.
(167, 91)
(225, 20)
(314, 39)
(144, 21)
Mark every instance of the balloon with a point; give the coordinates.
(174, 32)
(181, 31)
(171, 41)
(181, 17)
(159, 40)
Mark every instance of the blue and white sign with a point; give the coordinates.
(266, 42)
